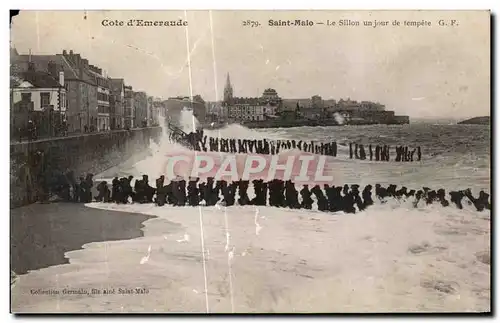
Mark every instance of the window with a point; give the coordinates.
(45, 99)
(102, 96)
(26, 97)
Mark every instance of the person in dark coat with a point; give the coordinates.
(104, 193)
(114, 189)
(82, 190)
(148, 190)
(161, 197)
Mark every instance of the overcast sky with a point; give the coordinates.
(422, 72)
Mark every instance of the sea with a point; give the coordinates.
(391, 257)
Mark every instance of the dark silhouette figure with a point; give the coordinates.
(367, 196)
(322, 201)
(104, 193)
(456, 197)
(441, 196)
(307, 201)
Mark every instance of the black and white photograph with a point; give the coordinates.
(250, 161)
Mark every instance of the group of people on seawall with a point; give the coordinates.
(277, 193)
(200, 142)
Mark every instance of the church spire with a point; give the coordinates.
(228, 90)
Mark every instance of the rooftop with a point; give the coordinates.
(37, 79)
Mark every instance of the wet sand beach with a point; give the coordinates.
(42, 233)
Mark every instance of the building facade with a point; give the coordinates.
(103, 93)
(39, 97)
(140, 109)
(128, 112)
(150, 113)
(41, 89)
(82, 92)
(116, 103)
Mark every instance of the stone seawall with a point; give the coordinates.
(35, 165)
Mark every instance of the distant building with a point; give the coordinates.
(317, 102)
(216, 112)
(250, 109)
(159, 109)
(128, 108)
(140, 109)
(270, 96)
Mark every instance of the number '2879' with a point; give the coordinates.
(250, 23)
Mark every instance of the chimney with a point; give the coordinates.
(85, 63)
(65, 52)
(61, 78)
(78, 59)
(52, 68)
(70, 52)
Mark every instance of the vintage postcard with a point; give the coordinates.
(250, 161)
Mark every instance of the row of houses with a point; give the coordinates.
(80, 94)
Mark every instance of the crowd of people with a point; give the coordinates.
(277, 193)
(200, 142)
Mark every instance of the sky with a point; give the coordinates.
(427, 71)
